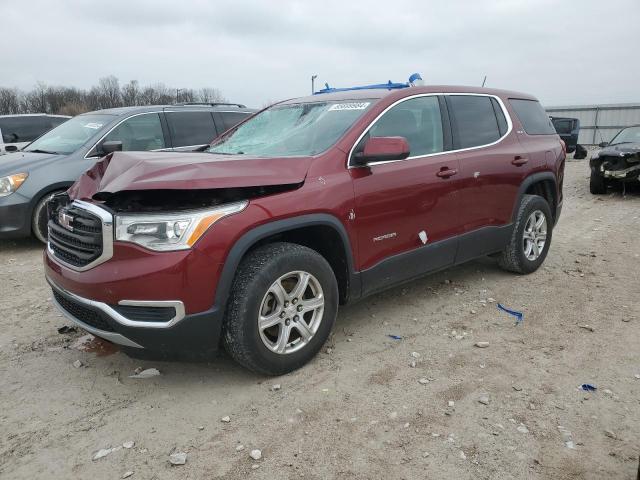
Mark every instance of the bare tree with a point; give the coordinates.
(210, 95)
(109, 89)
(9, 100)
(131, 94)
(107, 94)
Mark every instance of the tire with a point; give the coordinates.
(597, 184)
(517, 257)
(40, 218)
(265, 287)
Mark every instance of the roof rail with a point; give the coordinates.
(213, 104)
(414, 80)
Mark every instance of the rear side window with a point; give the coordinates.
(534, 119)
(23, 129)
(231, 119)
(418, 120)
(475, 120)
(191, 128)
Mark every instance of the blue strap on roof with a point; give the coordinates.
(384, 86)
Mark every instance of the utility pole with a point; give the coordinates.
(313, 79)
(178, 94)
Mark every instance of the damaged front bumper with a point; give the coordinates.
(155, 326)
(624, 167)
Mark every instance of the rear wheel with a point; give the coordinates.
(282, 306)
(40, 218)
(531, 236)
(597, 184)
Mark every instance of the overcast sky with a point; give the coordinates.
(563, 51)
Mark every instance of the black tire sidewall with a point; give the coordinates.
(39, 210)
(535, 203)
(244, 312)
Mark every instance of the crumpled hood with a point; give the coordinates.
(121, 171)
(620, 150)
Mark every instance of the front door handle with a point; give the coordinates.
(518, 161)
(446, 172)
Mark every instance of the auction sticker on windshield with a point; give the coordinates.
(349, 106)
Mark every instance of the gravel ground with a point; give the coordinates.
(360, 409)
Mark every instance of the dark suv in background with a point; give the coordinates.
(311, 203)
(55, 160)
(17, 131)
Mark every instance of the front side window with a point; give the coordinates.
(191, 128)
(475, 120)
(418, 120)
(534, 119)
(71, 135)
(139, 133)
(292, 130)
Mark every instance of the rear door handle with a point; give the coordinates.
(518, 161)
(446, 172)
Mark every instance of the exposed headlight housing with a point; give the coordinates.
(171, 231)
(11, 183)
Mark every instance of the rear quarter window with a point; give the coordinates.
(534, 119)
(475, 120)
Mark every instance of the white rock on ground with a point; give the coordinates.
(148, 373)
(275, 388)
(484, 399)
(256, 454)
(239, 448)
(225, 419)
(178, 458)
(127, 474)
(482, 344)
(77, 364)
(128, 444)
(104, 452)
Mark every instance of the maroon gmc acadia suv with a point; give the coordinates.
(311, 203)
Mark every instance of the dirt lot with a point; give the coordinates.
(358, 410)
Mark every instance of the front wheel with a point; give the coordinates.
(597, 184)
(40, 218)
(282, 306)
(531, 236)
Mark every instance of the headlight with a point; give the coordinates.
(171, 231)
(10, 184)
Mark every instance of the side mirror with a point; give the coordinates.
(382, 149)
(603, 144)
(111, 146)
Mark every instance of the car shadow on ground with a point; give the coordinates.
(20, 245)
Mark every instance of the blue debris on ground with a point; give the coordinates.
(519, 316)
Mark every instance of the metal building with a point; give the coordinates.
(599, 123)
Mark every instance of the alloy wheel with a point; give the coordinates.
(291, 312)
(535, 235)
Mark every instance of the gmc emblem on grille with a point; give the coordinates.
(65, 220)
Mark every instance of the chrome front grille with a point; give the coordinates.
(80, 234)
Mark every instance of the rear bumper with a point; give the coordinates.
(196, 334)
(15, 218)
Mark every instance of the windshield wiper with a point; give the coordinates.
(37, 150)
